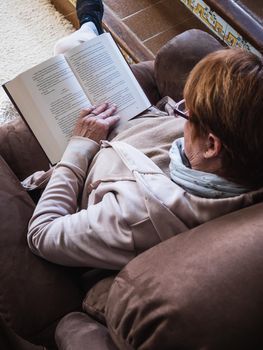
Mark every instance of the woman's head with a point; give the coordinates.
(224, 95)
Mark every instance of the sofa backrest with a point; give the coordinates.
(177, 57)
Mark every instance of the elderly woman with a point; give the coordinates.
(107, 201)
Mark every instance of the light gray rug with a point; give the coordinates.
(28, 32)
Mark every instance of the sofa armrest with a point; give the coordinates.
(201, 289)
(34, 294)
(21, 150)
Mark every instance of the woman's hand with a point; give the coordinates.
(95, 122)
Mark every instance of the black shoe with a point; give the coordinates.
(90, 11)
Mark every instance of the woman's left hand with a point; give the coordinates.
(95, 122)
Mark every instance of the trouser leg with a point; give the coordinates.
(90, 13)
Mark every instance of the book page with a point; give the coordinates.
(50, 99)
(106, 76)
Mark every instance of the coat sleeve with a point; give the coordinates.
(95, 237)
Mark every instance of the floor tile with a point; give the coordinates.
(157, 18)
(124, 8)
(157, 41)
(125, 37)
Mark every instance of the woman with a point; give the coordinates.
(103, 206)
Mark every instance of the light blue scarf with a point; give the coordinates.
(197, 182)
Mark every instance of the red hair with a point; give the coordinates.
(224, 94)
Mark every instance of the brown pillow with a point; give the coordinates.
(95, 300)
(175, 60)
(33, 293)
(201, 289)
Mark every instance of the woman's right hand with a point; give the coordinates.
(95, 122)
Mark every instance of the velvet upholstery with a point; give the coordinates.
(34, 294)
(96, 298)
(144, 73)
(177, 57)
(77, 331)
(201, 289)
(21, 150)
(9, 340)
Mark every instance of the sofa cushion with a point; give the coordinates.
(201, 289)
(34, 294)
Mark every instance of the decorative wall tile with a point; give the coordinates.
(218, 25)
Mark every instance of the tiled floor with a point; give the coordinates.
(154, 22)
(142, 26)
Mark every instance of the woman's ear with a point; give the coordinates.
(213, 146)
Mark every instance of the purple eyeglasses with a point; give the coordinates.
(180, 110)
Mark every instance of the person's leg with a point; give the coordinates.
(90, 13)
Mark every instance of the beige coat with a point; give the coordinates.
(103, 206)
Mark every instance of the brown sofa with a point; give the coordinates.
(201, 289)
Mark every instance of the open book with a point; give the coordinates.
(51, 95)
